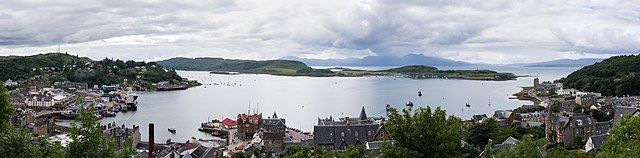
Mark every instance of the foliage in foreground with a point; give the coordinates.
(88, 139)
(425, 133)
(624, 140)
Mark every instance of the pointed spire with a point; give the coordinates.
(275, 116)
(363, 114)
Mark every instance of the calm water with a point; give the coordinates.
(302, 100)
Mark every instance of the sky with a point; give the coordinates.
(487, 31)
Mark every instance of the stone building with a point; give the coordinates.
(122, 133)
(39, 100)
(565, 128)
(248, 125)
(338, 135)
(273, 133)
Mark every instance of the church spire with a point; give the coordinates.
(363, 114)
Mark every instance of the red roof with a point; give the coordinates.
(229, 122)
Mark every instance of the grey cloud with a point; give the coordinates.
(464, 30)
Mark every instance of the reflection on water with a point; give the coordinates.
(302, 100)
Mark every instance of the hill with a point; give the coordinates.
(562, 63)
(421, 71)
(410, 59)
(296, 68)
(616, 76)
(57, 67)
(276, 67)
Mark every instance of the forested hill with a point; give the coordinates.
(278, 67)
(616, 76)
(60, 67)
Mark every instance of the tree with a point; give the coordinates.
(242, 155)
(479, 134)
(527, 147)
(425, 132)
(394, 151)
(624, 140)
(16, 143)
(561, 152)
(88, 139)
(5, 109)
(127, 149)
(357, 151)
(296, 151)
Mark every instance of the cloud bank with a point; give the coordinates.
(490, 31)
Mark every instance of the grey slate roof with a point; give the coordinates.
(478, 118)
(502, 114)
(510, 141)
(346, 130)
(597, 140)
(620, 111)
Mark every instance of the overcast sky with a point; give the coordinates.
(487, 31)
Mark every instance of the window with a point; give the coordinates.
(356, 133)
(342, 133)
(369, 133)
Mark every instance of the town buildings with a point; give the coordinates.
(248, 125)
(569, 129)
(122, 133)
(339, 134)
(273, 130)
(595, 142)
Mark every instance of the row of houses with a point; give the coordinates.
(509, 118)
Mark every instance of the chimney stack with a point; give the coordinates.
(151, 142)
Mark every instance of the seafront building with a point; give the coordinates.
(248, 125)
(273, 133)
(338, 134)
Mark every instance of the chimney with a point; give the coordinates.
(346, 119)
(151, 142)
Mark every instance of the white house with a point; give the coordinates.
(595, 142)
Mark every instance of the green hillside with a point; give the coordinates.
(616, 76)
(296, 68)
(60, 67)
(276, 67)
(421, 71)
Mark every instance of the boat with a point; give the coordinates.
(70, 113)
(217, 133)
(124, 108)
(116, 108)
(98, 116)
(111, 114)
(409, 104)
(172, 130)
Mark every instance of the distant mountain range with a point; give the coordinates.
(418, 59)
(410, 59)
(562, 63)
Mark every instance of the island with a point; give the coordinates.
(297, 68)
